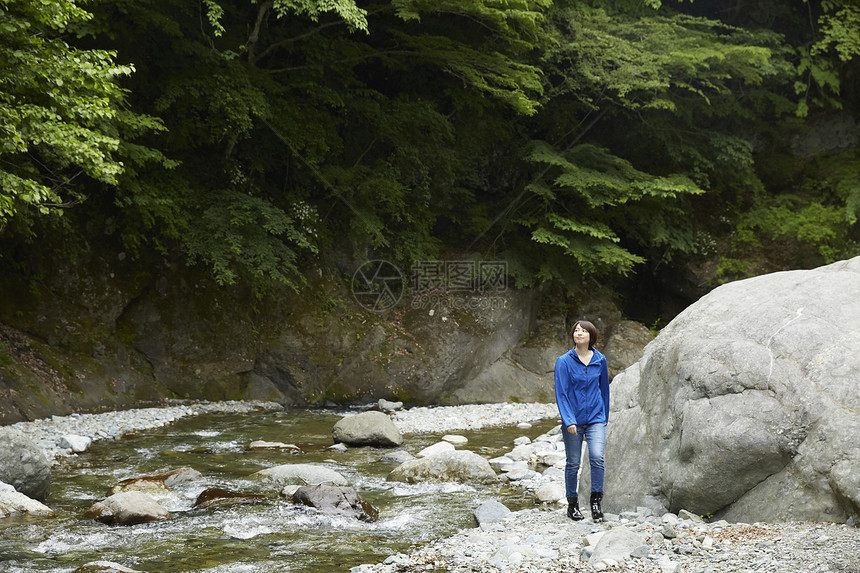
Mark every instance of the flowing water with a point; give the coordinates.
(274, 536)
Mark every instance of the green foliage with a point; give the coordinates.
(58, 105)
(236, 229)
(840, 30)
(571, 138)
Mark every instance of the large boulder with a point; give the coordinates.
(127, 508)
(24, 465)
(747, 405)
(333, 500)
(456, 465)
(370, 428)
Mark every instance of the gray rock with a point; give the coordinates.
(367, 429)
(625, 343)
(334, 500)
(550, 492)
(76, 443)
(23, 465)
(437, 448)
(397, 457)
(388, 406)
(127, 508)
(617, 545)
(457, 466)
(490, 512)
(301, 474)
(13, 502)
(746, 404)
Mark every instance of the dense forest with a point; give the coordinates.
(628, 142)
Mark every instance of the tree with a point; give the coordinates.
(61, 112)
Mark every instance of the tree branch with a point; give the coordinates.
(255, 33)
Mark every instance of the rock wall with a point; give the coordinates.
(101, 332)
(747, 405)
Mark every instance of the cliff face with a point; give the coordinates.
(97, 333)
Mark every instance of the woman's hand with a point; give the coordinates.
(572, 429)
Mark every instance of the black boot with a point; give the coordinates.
(573, 508)
(596, 510)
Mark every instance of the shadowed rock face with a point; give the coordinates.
(747, 405)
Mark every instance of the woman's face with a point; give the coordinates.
(580, 335)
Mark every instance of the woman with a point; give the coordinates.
(582, 395)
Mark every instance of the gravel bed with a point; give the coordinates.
(539, 541)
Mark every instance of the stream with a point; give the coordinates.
(274, 536)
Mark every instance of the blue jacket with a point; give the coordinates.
(582, 392)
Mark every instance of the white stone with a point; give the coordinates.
(436, 448)
(75, 443)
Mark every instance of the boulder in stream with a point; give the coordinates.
(127, 508)
(23, 465)
(370, 428)
(218, 497)
(333, 500)
(13, 502)
(160, 483)
(455, 465)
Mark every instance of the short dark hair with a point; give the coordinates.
(590, 328)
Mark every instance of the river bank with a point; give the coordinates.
(533, 540)
(546, 541)
(49, 433)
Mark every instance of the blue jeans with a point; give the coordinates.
(595, 436)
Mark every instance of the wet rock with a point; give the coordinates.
(127, 508)
(23, 465)
(104, 567)
(218, 497)
(150, 487)
(457, 466)
(334, 500)
(159, 483)
(301, 474)
(13, 502)
(264, 445)
(367, 429)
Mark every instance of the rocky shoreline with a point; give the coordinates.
(534, 540)
(546, 541)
